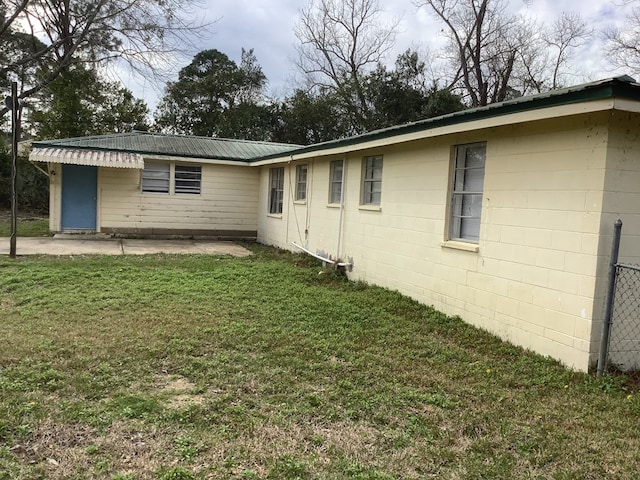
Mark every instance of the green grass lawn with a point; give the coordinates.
(28, 225)
(194, 367)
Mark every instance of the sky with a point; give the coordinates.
(267, 26)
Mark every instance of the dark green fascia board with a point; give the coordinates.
(621, 87)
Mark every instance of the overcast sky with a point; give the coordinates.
(267, 27)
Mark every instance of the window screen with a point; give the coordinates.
(468, 184)
(335, 188)
(301, 182)
(372, 181)
(276, 189)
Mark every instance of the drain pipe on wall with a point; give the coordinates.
(290, 197)
(344, 171)
(307, 217)
(336, 263)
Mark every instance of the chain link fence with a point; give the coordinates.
(620, 342)
(624, 336)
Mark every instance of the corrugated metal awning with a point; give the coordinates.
(94, 158)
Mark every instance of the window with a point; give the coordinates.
(155, 177)
(276, 189)
(187, 179)
(466, 198)
(335, 187)
(301, 182)
(372, 180)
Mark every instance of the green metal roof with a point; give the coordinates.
(621, 87)
(249, 151)
(145, 143)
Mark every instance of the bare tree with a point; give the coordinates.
(496, 55)
(144, 33)
(545, 57)
(340, 41)
(483, 48)
(568, 33)
(623, 44)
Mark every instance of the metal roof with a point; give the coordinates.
(156, 144)
(621, 87)
(248, 151)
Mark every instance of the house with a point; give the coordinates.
(141, 183)
(502, 215)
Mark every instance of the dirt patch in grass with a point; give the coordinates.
(7, 304)
(134, 446)
(180, 391)
(68, 450)
(126, 446)
(59, 449)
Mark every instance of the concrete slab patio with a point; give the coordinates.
(118, 246)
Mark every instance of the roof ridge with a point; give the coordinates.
(86, 137)
(220, 139)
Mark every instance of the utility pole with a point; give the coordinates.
(12, 103)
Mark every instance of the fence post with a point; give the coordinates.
(608, 301)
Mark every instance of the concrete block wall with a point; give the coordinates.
(622, 201)
(622, 196)
(533, 277)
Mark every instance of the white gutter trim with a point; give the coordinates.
(86, 157)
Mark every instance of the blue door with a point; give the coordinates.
(79, 194)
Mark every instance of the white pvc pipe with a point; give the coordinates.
(332, 262)
(342, 189)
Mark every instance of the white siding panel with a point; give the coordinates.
(228, 201)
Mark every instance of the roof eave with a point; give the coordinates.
(621, 87)
(49, 144)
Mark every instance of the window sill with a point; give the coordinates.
(299, 202)
(464, 246)
(333, 205)
(370, 208)
(274, 215)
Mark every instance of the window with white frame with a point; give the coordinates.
(155, 177)
(158, 178)
(187, 179)
(372, 180)
(466, 192)
(276, 189)
(301, 182)
(335, 186)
